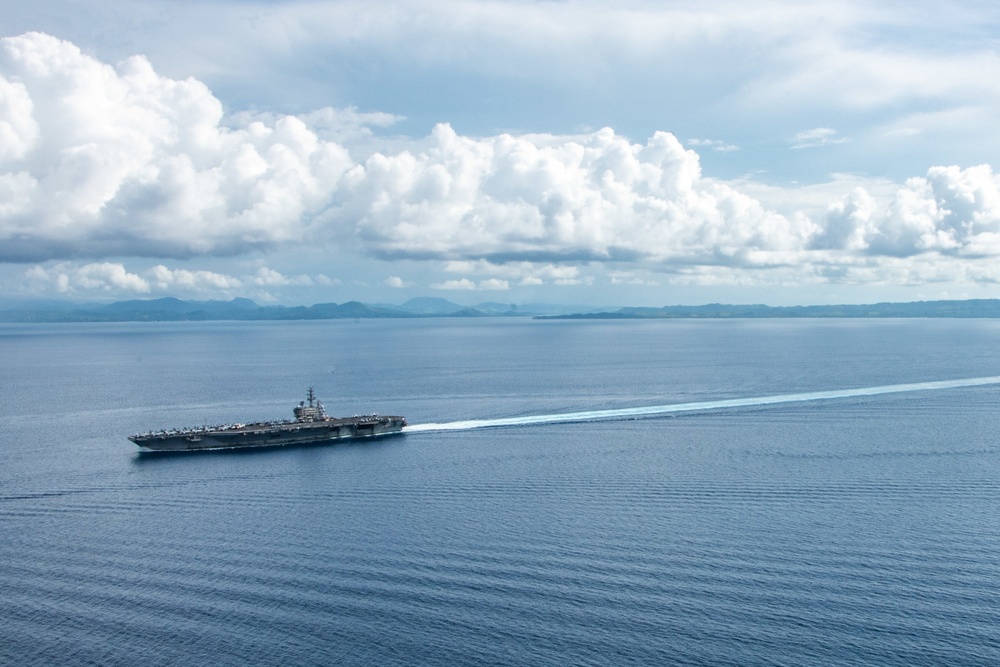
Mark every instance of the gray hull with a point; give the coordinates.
(270, 435)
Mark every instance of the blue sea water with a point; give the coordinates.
(860, 530)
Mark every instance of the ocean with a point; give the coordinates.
(852, 528)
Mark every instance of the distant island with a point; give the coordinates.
(982, 308)
(177, 310)
(170, 309)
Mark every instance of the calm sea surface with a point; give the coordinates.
(861, 530)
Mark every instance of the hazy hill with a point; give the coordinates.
(427, 305)
(985, 308)
(171, 309)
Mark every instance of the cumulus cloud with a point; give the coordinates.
(339, 125)
(113, 279)
(950, 211)
(494, 284)
(98, 161)
(461, 284)
(118, 161)
(266, 277)
(165, 279)
(102, 162)
(326, 281)
(468, 285)
(101, 277)
(108, 276)
(545, 198)
(524, 273)
(631, 278)
(395, 282)
(348, 124)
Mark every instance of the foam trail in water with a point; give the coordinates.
(653, 410)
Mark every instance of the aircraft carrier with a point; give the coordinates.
(311, 425)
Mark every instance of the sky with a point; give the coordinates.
(516, 151)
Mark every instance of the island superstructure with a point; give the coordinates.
(311, 425)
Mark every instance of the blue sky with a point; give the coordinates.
(634, 153)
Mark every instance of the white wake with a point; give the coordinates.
(654, 410)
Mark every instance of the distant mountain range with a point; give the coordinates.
(170, 309)
(173, 310)
(967, 308)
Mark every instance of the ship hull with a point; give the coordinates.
(267, 435)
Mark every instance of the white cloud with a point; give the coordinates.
(747, 71)
(99, 277)
(524, 273)
(715, 145)
(344, 125)
(544, 198)
(113, 279)
(494, 284)
(266, 277)
(100, 161)
(18, 129)
(110, 276)
(820, 136)
(339, 125)
(460, 284)
(847, 222)
(396, 282)
(951, 211)
(835, 70)
(165, 279)
(490, 284)
(846, 53)
(631, 278)
(103, 162)
(326, 281)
